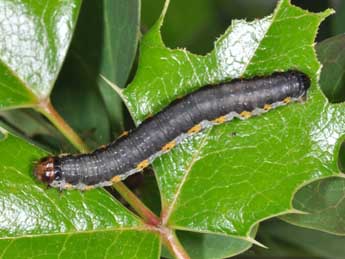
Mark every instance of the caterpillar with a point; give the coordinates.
(208, 106)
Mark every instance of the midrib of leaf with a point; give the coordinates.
(70, 233)
(167, 211)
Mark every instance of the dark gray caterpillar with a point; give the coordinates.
(210, 105)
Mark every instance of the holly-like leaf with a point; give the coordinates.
(228, 178)
(323, 200)
(36, 221)
(34, 38)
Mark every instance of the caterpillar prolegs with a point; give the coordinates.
(208, 106)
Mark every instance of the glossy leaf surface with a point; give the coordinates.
(324, 200)
(34, 38)
(225, 180)
(72, 222)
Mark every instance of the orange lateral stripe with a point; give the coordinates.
(68, 186)
(116, 179)
(123, 134)
(287, 100)
(194, 129)
(169, 146)
(150, 115)
(246, 114)
(219, 120)
(267, 107)
(88, 187)
(143, 164)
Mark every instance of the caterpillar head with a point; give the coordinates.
(46, 170)
(303, 83)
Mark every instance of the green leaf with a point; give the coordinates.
(85, 112)
(34, 38)
(197, 245)
(72, 223)
(36, 128)
(288, 241)
(324, 202)
(121, 35)
(225, 180)
(331, 53)
(103, 244)
(111, 30)
(339, 19)
(206, 246)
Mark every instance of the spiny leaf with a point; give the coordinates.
(228, 178)
(324, 200)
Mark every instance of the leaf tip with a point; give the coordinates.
(255, 242)
(341, 175)
(296, 211)
(328, 12)
(3, 131)
(164, 11)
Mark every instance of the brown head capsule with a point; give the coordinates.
(46, 171)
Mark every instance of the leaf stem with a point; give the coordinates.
(48, 110)
(173, 244)
(149, 217)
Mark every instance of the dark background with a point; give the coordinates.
(196, 24)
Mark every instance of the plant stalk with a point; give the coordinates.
(173, 244)
(149, 217)
(48, 110)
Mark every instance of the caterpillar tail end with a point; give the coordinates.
(45, 170)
